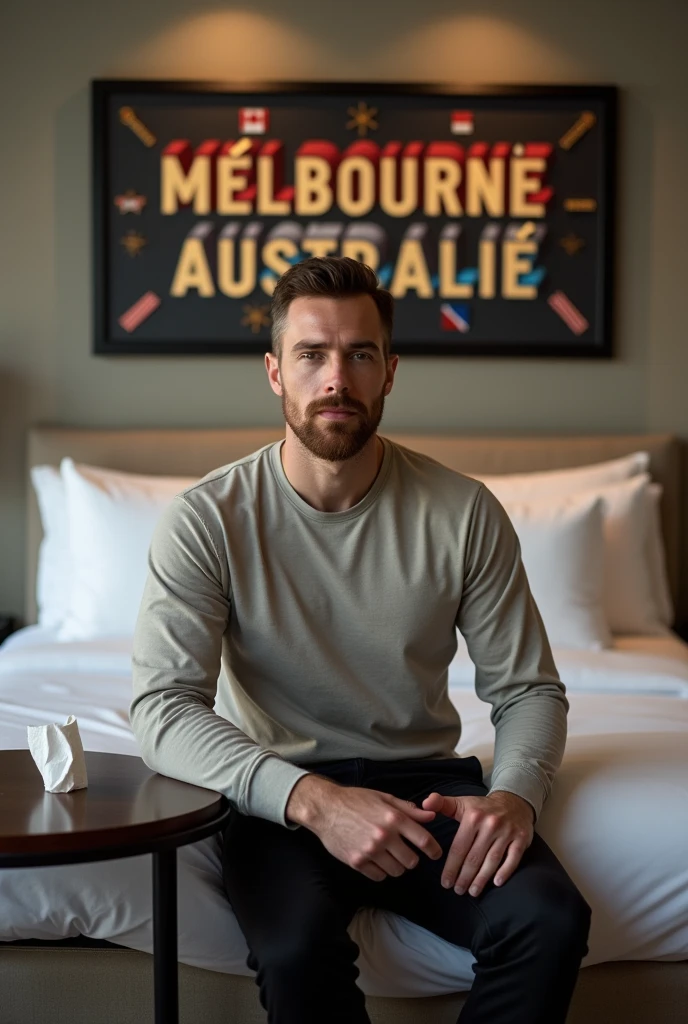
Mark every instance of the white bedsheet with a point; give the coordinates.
(655, 665)
(617, 819)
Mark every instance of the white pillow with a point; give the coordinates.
(562, 548)
(629, 598)
(636, 612)
(53, 573)
(567, 481)
(111, 518)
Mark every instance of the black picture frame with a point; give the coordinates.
(597, 281)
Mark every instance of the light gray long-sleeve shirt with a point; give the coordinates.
(272, 633)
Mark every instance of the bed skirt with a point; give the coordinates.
(67, 983)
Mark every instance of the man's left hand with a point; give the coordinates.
(491, 827)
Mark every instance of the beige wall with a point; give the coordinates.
(48, 53)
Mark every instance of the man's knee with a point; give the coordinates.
(308, 942)
(555, 913)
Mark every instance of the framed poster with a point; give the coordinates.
(487, 212)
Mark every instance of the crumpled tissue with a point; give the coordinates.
(59, 754)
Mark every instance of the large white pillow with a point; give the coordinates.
(562, 548)
(629, 586)
(111, 518)
(53, 572)
(634, 611)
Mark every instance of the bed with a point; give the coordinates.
(75, 944)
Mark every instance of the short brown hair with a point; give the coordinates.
(335, 276)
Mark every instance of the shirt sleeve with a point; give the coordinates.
(514, 666)
(176, 663)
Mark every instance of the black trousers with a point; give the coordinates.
(294, 901)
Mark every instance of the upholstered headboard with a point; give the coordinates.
(196, 452)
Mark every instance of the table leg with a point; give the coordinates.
(165, 937)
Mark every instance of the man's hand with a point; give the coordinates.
(363, 828)
(491, 826)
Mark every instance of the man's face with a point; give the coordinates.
(333, 376)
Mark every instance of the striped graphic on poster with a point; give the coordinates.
(571, 316)
(455, 316)
(139, 312)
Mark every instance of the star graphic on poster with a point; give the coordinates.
(571, 243)
(256, 317)
(133, 242)
(362, 117)
(130, 202)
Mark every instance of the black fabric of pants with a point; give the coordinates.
(294, 901)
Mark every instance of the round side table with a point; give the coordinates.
(125, 810)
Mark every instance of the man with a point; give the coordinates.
(323, 578)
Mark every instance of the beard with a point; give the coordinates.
(333, 440)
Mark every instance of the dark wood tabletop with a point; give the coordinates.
(125, 806)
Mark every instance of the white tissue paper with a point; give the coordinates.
(59, 754)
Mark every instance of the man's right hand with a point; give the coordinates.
(363, 828)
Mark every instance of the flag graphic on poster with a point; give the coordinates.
(455, 316)
(462, 122)
(254, 120)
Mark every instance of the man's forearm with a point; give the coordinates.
(509, 797)
(529, 745)
(307, 800)
(179, 736)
